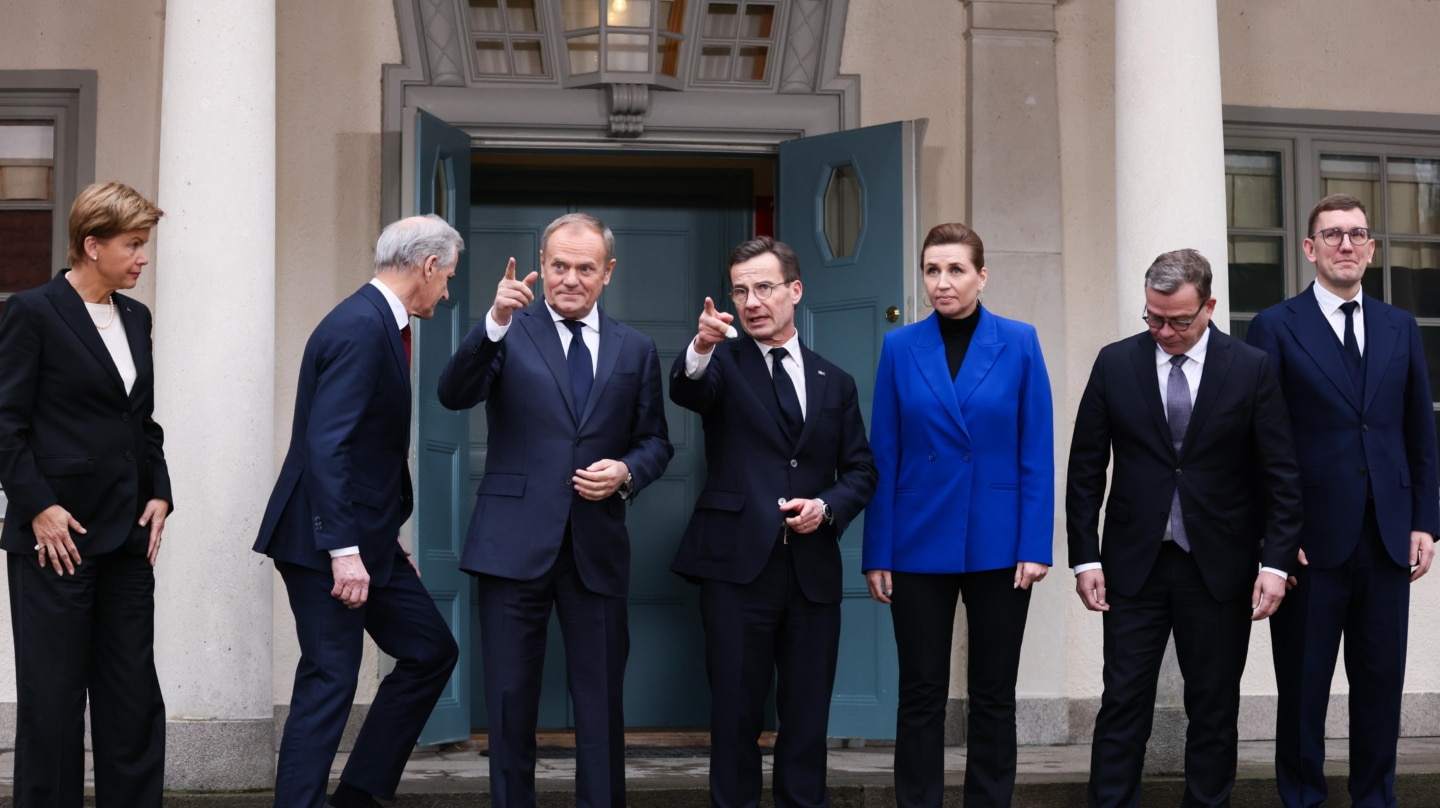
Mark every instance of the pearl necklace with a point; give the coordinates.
(111, 318)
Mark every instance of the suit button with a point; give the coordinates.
(579, 442)
(1178, 472)
(966, 458)
(794, 463)
(319, 525)
(932, 457)
(1364, 427)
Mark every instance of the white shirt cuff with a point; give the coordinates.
(1093, 565)
(345, 551)
(696, 362)
(1274, 571)
(494, 330)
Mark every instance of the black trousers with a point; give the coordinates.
(88, 633)
(1212, 638)
(923, 609)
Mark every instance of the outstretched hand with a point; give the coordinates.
(715, 327)
(512, 294)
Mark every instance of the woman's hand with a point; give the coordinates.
(155, 512)
(1028, 572)
(52, 528)
(879, 581)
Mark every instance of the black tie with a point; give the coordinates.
(785, 393)
(1352, 345)
(582, 374)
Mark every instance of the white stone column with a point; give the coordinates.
(1169, 145)
(1169, 194)
(215, 354)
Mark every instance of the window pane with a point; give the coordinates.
(1430, 338)
(485, 16)
(1257, 272)
(27, 161)
(672, 16)
(1348, 174)
(584, 54)
(24, 249)
(520, 14)
(1414, 195)
(628, 52)
(721, 20)
(751, 64)
(843, 211)
(1252, 189)
(715, 63)
(529, 58)
(669, 56)
(1415, 277)
(580, 14)
(490, 58)
(628, 13)
(759, 21)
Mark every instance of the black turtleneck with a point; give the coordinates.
(957, 333)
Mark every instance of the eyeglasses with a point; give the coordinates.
(762, 291)
(1332, 236)
(1158, 323)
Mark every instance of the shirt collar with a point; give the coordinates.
(592, 319)
(791, 346)
(1331, 302)
(1196, 352)
(402, 317)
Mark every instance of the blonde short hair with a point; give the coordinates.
(105, 210)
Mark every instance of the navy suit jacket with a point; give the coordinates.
(69, 433)
(1352, 444)
(967, 465)
(752, 464)
(1239, 488)
(537, 440)
(346, 478)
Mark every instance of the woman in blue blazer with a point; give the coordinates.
(963, 439)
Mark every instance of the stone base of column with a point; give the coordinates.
(1165, 754)
(219, 755)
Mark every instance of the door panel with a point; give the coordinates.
(441, 183)
(847, 206)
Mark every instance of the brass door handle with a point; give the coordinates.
(893, 314)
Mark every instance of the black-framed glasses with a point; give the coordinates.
(740, 294)
(1359, 236)
(1158, 323)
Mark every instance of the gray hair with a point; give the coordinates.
(405, 244)
(586, 221)
(1174, 269)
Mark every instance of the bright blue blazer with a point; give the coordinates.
(967, 467)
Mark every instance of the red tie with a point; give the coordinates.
(405, 338)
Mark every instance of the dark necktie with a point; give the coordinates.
(582, 374)
(785, 393)
(1177, 411)
(1352, 345)
(405, 340)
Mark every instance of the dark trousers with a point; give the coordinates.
(402, 620)
(88, 633)
(923, 609)
(1367, 600)
(513, 620)
(1211, 640)
(757, 633)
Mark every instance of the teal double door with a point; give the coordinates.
(674, 228)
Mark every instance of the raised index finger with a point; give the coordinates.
(709, 306)
(510, 269)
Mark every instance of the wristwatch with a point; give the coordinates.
(825, 510)
(628, 487)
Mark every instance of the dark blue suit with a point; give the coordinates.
(1368, 463)
(770, 599)
(534, 542)
(346, 482)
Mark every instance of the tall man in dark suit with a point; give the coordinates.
(1353, 372)
(577, 426)
(788, 468)
(333, 523)
(1204, 490)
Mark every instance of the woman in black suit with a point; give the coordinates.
(83, 467)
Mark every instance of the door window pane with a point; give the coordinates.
(1358, 176)
(843, 211)
(1414, 197)
(1257, 272)
(1252, 189)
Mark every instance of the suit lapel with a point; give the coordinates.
(537, 324)
(611, 341)
(1381, 336)
(985, 348)
(928, 352)
(1219, 356)
(1142, 359)
(392, 330)
(1315, 336)
(755, 370)
(139, 342)
(73, 313)
(816, 382)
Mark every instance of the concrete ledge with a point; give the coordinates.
(219, 755)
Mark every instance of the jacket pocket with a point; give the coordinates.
(365, 495)
(721, 501)
(503, 485)
(65, 466)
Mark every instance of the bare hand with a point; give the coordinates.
(409, 557)
(879, 583)
(600, 479)
(806, 514)
(352, 582)
(1091, 586)
(52, 528)
(512, 294)
(1269, 591)
(155, 512)
(1292, 580)
(714, 328)
(1029, 572)
(1422, 553)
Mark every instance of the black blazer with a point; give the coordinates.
(1236, 471)
(752, 464)
(69, 433)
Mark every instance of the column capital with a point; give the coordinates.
(1010, 18)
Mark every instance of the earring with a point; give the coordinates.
(928, 303)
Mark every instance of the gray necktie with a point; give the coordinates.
(1177, 410)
